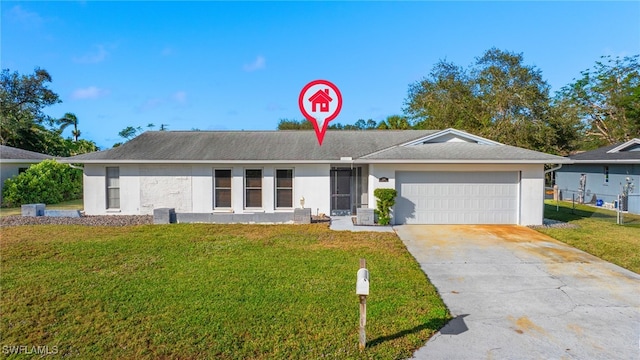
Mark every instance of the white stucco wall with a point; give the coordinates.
(95, 196)
(189, 188)
(531, 183)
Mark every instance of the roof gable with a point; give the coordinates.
(451, 135)
(631, 145)
(627, 152)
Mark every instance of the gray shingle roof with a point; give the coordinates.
(253, 145)
(372, 145)
(601, 154)
(11, 153)
(460, 151)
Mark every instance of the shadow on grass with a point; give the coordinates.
(433, 324)
(565, 213)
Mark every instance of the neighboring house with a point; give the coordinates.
(603, 174)
(14, 161)
(321, 98)
(442, 177)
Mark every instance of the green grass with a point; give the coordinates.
(598, 233)
(66, 205)
(211, 291)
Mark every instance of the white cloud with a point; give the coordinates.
(93, 57)
(91, 92)
(17, 13)
(259, 63)
(180, 97)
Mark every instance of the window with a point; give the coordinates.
(21, 170)
(284, 188)
(113, 188)
(253, 188)
(606, 174)
(222, 188)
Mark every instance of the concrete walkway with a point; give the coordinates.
(344, 223)
(518, 294)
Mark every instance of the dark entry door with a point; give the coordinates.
(340, 192)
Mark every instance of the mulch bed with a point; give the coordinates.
(102, 220)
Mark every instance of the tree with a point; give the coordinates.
(22, 98)
(395, 122)
(130, 132)
(292, 124)
(445, 99)
(69, 119)
(514, 98)
(499, 97)
(47, 182)
(361, 124)
(607, 99)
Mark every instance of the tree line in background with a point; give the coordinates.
(498, 97)
(503, 99)
(23, 124)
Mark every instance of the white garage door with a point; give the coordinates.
(456, 198)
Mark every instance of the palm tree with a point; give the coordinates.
(395, 122)
(69, 119)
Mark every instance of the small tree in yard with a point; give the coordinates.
(48, 182)
(386, 199)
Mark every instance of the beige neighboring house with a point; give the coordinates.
(14, 161)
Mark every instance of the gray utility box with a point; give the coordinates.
(302, 216)
(164, 216)
(32, 209)
(365, 216)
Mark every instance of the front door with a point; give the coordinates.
(340, 192)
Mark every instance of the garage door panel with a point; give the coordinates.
(456, 197)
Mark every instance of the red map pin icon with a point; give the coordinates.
(320, 102)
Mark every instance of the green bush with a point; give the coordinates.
(48, 182)
(386, 199)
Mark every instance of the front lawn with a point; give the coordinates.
(597, 232)
(211, 291)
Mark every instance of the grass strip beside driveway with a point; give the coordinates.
(204, 291)
(597, 233)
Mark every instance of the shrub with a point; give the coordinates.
(386, 199)
(48, 182)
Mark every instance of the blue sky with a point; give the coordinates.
(241, 65)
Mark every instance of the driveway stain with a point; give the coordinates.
(540, 297)
(524, 324)
(576, 329)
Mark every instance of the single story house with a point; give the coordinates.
(442, 177)
(603, 174)
(14, 161)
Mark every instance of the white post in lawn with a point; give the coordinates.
(362, 290)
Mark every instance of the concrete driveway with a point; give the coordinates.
(519, 294)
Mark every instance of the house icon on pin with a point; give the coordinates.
(321, 98)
